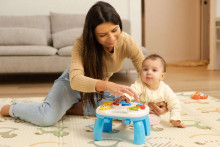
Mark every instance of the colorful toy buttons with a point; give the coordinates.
(137, 107)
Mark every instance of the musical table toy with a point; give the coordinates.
(133, 111)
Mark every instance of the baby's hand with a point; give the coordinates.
(177, 123)
(158, 108)
(122, 98)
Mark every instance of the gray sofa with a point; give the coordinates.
(42, 43)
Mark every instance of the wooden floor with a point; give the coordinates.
(179, 79)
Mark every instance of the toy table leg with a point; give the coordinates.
(107, 125)
(139, 133)
(98, 128)
(147, 126)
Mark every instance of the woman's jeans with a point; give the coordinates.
(61, 97)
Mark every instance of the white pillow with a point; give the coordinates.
(22, 36)
(66, 37)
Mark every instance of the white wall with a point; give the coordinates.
(127, 9)
(214, 63)
(172, 29)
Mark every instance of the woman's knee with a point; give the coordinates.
(48, 120)
(49, 116)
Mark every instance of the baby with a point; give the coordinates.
(150, 88)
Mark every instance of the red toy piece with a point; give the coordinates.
(114, 103)
(198, 96)
(141, 106)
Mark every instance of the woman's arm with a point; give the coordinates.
(134, 52)
(78, 80)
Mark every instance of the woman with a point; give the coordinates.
(96, 55)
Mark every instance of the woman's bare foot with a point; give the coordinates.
(5, 110)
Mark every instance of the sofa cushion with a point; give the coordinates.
(22, 36)
(27, 50)
(63, 21)
(30, 21)
(66, 37)
(65, 51)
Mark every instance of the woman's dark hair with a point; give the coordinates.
(99, 13)
(154, 57)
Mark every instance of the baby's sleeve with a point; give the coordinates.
(137, 88)
(173, 104)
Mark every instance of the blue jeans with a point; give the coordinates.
(60, 98)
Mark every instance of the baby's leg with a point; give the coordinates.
(154, 119)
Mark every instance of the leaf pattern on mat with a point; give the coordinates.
(195, 123)
(7, 134)
(58, 133)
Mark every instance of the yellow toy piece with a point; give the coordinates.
(106, 105)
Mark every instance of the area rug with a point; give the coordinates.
(201, 118)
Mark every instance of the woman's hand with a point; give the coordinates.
(158, 108)
(116, 89)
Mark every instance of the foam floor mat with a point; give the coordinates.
(201, 118)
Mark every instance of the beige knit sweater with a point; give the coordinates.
(126, 47)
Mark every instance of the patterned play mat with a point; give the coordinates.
(202, 118)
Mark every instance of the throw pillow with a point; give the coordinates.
(66, 38)
(22, 36)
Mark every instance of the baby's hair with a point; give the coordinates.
(154, 57)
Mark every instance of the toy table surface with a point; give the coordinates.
(123, 111)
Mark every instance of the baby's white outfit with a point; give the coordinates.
(163, 93)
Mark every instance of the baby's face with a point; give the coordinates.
(152, 73)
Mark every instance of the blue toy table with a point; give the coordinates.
(140, 120)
